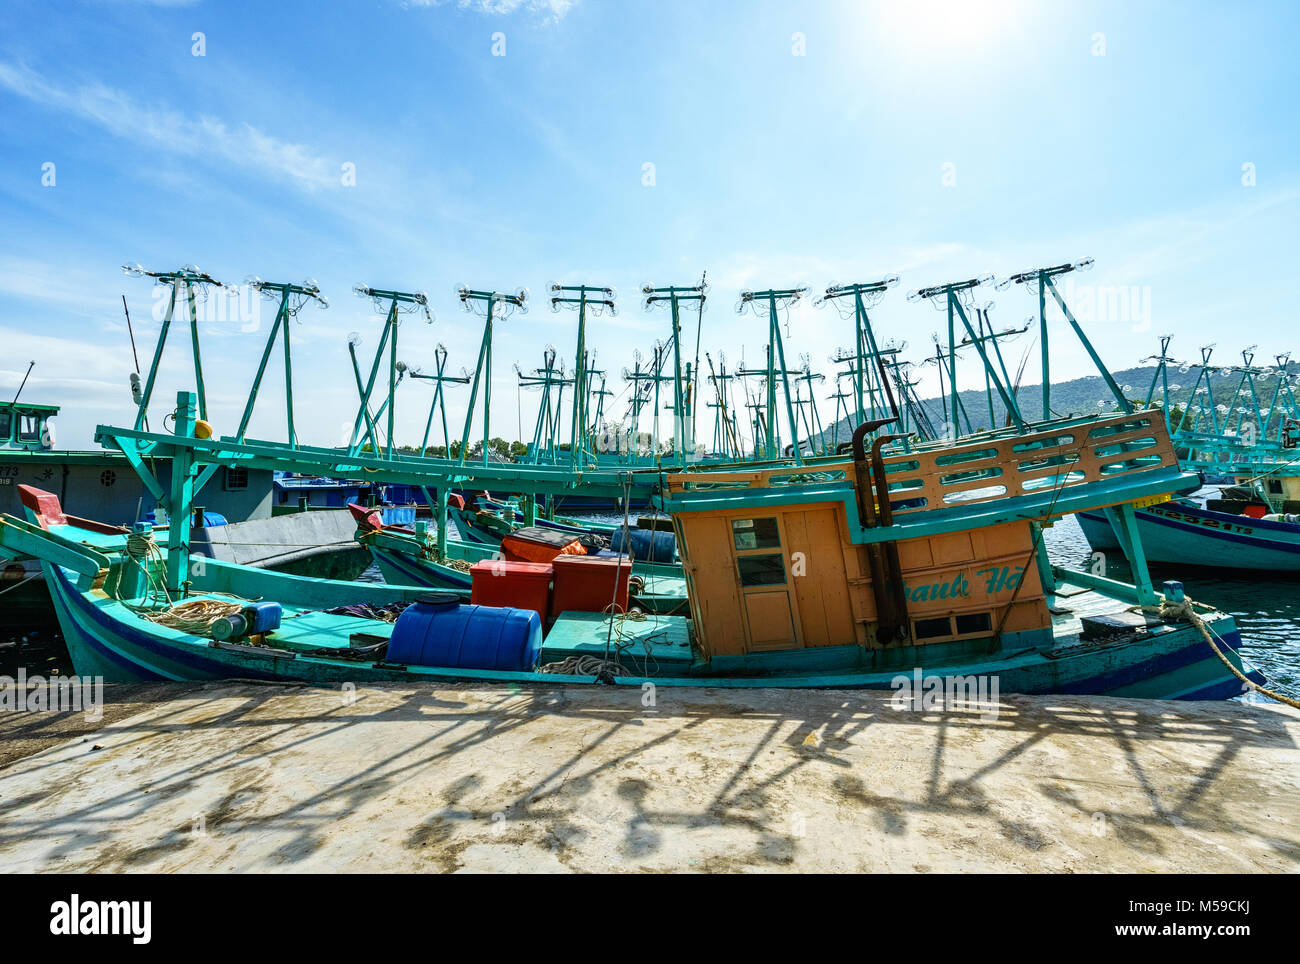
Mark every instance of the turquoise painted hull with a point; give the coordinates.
(1176, 534)
(105, 638)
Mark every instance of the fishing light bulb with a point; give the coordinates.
(1084, 264)
(133, 270)
(362, 289)
(647, 288)
(401, 367)
(891, 281)
(312, 285)
(323, 301)
(354, 339)
(253, 281)
(522, 295)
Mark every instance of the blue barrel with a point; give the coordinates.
(439, 631)
(645, 545)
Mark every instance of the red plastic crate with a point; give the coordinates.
(502, 582)
(586, 583)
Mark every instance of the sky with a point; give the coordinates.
(511, 143)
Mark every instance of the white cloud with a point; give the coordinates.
(242, 144)
(552, 10)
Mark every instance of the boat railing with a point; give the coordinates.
(1062, 456)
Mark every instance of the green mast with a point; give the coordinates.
(675, 296)
(439, 403)
(1043, 279)
(398, 303)
(776, 299)
(956, 296)
(492, 304)
(867, 368)
(291, 297)
(183, 284)
(581, 298)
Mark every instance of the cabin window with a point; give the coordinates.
(6, 426)
(236, 478)
(755, 534)
(930, 628)
(764, 570)
(974, 623)
(29, 428)
(1275, 486)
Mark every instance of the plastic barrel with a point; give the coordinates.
(439, 631)
(645, 545)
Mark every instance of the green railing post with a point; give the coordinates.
(180, 499)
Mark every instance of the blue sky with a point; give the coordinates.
(790, 143)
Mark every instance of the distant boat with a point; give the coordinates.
(1184, 533)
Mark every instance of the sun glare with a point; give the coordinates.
(941, 24)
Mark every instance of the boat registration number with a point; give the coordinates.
(1152, 500)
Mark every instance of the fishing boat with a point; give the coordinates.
(1251, 448)
(901, 561)
(925, 566)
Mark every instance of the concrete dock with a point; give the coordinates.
(246, 777)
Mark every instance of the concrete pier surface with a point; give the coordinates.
(245, 777)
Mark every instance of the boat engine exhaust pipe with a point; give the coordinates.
(872, 491)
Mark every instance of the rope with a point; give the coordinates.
(587, 666)
(19, 583)
(1183, 610)
(194, 617)
(141, 549)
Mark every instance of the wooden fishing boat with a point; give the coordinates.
(1248, 449)
(915, 568)
(1183, 532)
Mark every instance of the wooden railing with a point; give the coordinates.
(981, 470)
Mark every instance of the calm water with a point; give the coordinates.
(1267, 610)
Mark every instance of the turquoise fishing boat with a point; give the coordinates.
(1255, 524)
(925, 566)
(902, 563)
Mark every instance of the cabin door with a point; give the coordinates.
(763, 574)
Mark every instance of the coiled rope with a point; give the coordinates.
(1183, 610)
(597, 666)
(194, 617)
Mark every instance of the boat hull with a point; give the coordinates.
(105, 639)
(1185, 535)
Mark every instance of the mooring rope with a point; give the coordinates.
(1183, 610)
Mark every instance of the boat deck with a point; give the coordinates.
(654, 646)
